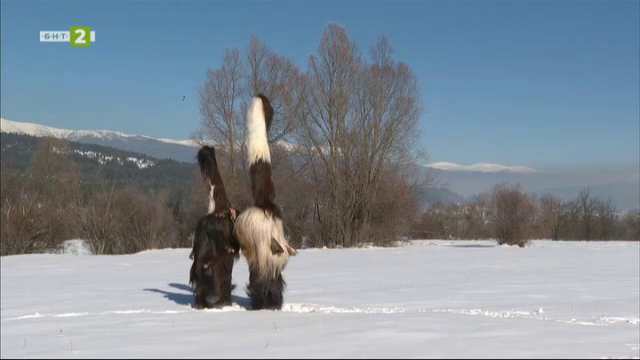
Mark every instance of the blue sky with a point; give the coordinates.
(534, 83)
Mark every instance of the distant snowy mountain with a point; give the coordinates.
(180, 150)
(103, 159)
(457, 182)
(621, 183)
(483, 168)
(108, 163)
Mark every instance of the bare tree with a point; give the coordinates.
(219, 100)
(587, 209)
(571, 229)
(352, 186)
(606, 218)
(476, 217)
(456, 221)
(281, 80)
(227, 91)
(355, 125)
(433, 223)
(631, 225)
(512, 215)
(360, 126)
(551, 217)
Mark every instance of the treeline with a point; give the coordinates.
(511, 216)
(51, 201)
(102, 162)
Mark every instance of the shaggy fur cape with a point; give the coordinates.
(215, 247)
(259, 228)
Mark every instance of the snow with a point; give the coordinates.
(482, 167)
(42, 130)
(141, 163)
(180, 142)
(88, 154)
(25, 128)
(74, 247)
(428, 299)
(37, 130)
(103, 159)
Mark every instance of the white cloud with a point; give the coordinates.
(482, 167)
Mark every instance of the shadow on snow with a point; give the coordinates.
(182, 298)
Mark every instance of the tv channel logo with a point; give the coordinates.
(78, 36)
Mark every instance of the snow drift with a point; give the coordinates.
(433, 299)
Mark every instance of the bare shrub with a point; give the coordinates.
(631, 225)
(512, 214)
(99, 222)
(148, 224)
(35, 205)
(455, 221)
(606, 218)
(27, 226)
(551, 217)
(587, 204)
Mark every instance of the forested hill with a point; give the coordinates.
(107, 163)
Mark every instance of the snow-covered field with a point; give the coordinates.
(429, 299)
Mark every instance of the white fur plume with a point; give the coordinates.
(212, 202)
(258, 147)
